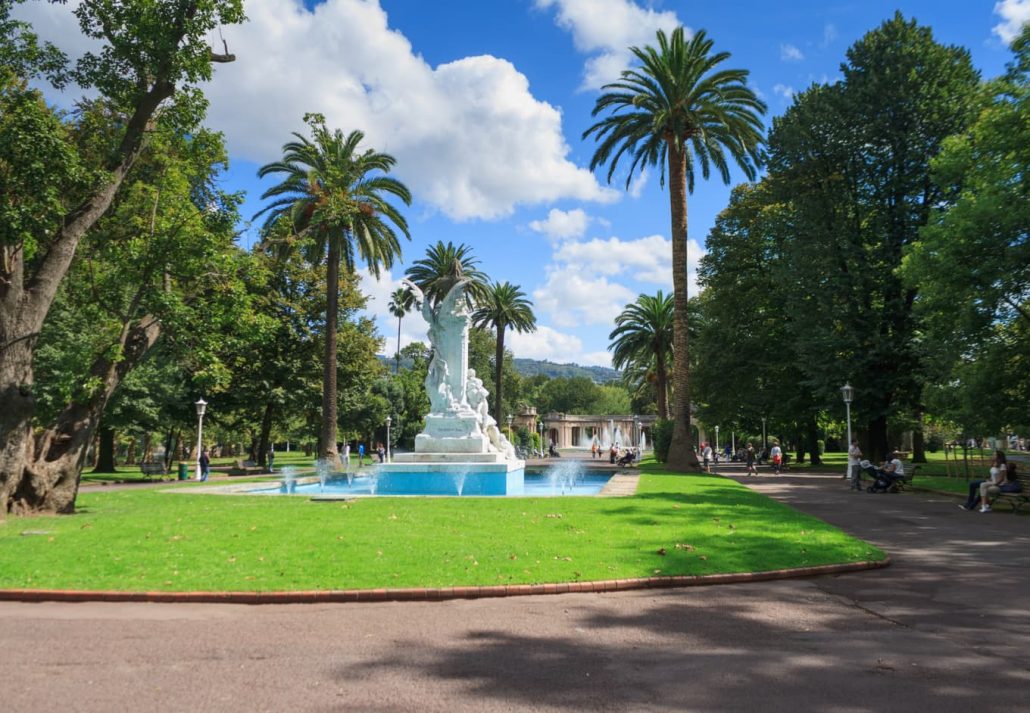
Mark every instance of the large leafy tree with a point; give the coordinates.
(161, 265)
(643, 335)
(401, 302)
(337, 198)
(851, 162)
(504, 305)
(972, 263)
(681, 111)
(52, 193)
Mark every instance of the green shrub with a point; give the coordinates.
(820, 446)
(934, 443)
(662, 439)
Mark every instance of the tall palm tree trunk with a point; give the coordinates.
(397, 358)
(662, 386)
(681, 453)
(498, 368)
(328, 431)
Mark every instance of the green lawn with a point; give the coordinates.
(150, 540)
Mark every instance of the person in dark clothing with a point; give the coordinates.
(205, 465)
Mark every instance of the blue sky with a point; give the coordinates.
(484, 103)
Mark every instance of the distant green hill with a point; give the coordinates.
(532, 367)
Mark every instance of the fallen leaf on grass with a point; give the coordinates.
(661, 551)
(554, 516)
(704, 558)
(681, 546)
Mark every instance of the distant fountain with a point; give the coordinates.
(643, 442)
(322, 469)
(618, 436)
(606, 437)
(564, 476)
(373, 482)
(289, 485)
(459, 477)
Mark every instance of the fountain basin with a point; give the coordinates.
(439, 482)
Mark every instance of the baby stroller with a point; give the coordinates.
(883, 482)
(627, 459)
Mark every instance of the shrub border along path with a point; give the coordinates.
(432, 593)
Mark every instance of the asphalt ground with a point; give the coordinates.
(945, 628)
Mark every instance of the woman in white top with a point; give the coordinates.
(854, 469)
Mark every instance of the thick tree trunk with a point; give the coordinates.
(662, 386)
(918, 442)
(813, 442)
(105, 456)
(130, 452)
(266, 431)
(327, 437)
(878, 445)
(681, 451)
(60, 451)
(498, 372)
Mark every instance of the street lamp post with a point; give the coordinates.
(541, 426)
(201, 405)
(388, 422)
(716, 439)
(765, 441)
(848, 392)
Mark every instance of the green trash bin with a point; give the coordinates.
(184, 471)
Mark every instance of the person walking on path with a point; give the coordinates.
(854, 467)
(205, 465)
(706, 455)
(361, 454)
(751, 469)
(776, 455)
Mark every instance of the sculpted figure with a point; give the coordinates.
(448, 325)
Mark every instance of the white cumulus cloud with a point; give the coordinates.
(1014, 14)
(469, 136)
(784, 90)
(561, 224)
(606, 29)
(552, 345)
(790, 53)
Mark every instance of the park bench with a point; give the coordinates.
(246, 467)
(1017, 499)
(905, 481)
(152, 468)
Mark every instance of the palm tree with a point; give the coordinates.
(504, 305)
(401, 302)
(335, 199)
(643, 335)
(673, 111)
(443, 265)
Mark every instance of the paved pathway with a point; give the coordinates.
(947, 628)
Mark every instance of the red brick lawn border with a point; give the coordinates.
(431, 593)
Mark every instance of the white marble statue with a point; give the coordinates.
(477, 398)
(448, 336)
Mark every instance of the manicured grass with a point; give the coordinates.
(152, 540)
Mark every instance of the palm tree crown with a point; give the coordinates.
(331, 193)
(401, 302)
(643, 337)
(443, 265)
(503, 306)
(677, 110)
(676, 99)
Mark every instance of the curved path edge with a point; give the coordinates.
(432, 593)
